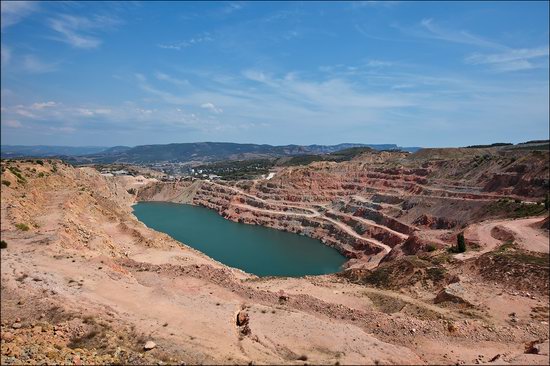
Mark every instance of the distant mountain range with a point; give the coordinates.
(180, 152)
(8, 151)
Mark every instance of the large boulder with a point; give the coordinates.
(454, 293)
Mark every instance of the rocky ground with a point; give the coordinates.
(83, 282)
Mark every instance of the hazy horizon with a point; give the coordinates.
(256, 143)
(407, 73)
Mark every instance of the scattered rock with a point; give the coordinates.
(242, 318)
(452, 327)
(538, 347)
(16, 325)
(149, 345)
(496, 358)
(7, 336)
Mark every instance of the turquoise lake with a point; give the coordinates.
(254, 249)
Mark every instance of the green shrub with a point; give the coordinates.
(3, 244)
(7, 183)
(22, 227)
(430, 247)
(40, 162)
(15, 171)
(460, 244)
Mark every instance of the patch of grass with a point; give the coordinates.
(511, 252)
(7, 183)
(440, 259)
(436, 274)
(530, 259)
(430, 248)
(386, 304)
(22, 227)
(507, 246)
(515, 209)
(15, 171)
(379, 277)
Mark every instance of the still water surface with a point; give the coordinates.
(254, 249)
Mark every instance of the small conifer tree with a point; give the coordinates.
(460, 243)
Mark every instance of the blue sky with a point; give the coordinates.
(411, 73)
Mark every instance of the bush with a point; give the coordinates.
(22, 227)
(3, 244)
(40, 162)
(40, 175)
(430, 247)
(15, 171)
(7, 183)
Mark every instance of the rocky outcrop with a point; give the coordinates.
(432, 222)
(454, 293)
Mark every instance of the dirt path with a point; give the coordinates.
(525, 235)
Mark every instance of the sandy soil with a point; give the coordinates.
(98, 284)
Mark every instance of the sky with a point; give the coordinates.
(429, 74)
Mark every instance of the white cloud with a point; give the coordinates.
(429, 29)
(179, 45)
(80, 32)
(378, 63)
(211, 107)
(165, 77)
(13, 123)
(34, 65)
(6, 55)
(255, 75)
(104, 111)
(14, 11)
(512, 59)
(63, 129)
(43, 105)
(233, 6)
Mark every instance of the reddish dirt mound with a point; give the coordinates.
(501, 233)
(544, 224)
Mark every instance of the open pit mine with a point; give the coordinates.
(84, 282)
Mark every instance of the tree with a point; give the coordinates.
(460, 243)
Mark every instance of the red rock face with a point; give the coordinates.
(373, 203)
